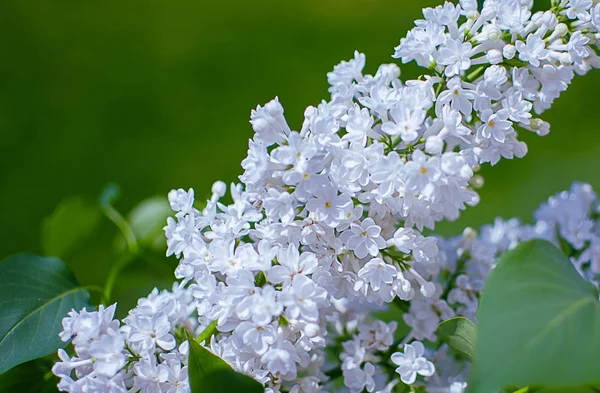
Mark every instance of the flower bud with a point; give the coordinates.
(493, 33)
(561, 29)
(469, 6)
(219, 188)
(473, 15)
(312, 330)
(494, 56)
(428, 289)
(434, 144)
(477, 181)
(509, 51)
(469, 233)
(539, 126)
(488, 13)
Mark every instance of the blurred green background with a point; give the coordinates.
(155, 95)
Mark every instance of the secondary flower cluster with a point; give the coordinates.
(569, 219)
(326, 226)
(142, 354)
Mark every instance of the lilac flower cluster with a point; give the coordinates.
(326, 225)
(569, 219)
(142, 354)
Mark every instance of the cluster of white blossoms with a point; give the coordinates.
(326, 225)
(569, 219)
(147, 353)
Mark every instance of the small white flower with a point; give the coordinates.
(377, 273)
(495, 125)
(458, 97)
(291, 263)
(302, 298)
(280, 205)
(269, 123)
(150, 331)
(364, 238)
(456, 56)
(328, 206)
(108, 352)
(358, 379)
(578, 9)
(411, 362)
(182, 201)
(533, 50)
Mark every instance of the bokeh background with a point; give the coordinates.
(154, 95)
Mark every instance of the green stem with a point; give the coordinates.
(333, 373)
(123, 226)
(475, 74)
(94, 288)
(121, 264)
(460, 265)
(207, 333)
(402, 305)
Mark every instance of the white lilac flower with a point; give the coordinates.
(291, 263)
(328, 206)
(148, 332)
(412, 362)
(104, 354)
(364, 238)
(326, 224)
(495, 125)
(359, 379)
(108, 354)
(376, 273)
(533, 50)
(303, 298)
(459, 97)
(456, 55)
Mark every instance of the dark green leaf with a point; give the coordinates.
(36, 293)
(538, 323)
(460, 334)
(209, 373)
(72, 220)
(34, 376)
(147, 220)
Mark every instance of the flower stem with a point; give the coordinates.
(121, 264)
(207, 333)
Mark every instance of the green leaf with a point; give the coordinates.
(539, 323)
(37, 293)
(209, 373)
(460, 334)
(34, 376)
(72, 220)
(147, 220)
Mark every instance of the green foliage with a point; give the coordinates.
(147, 220)
(209, 373)
(460, 334)
(72, 221)
(36, 293)
(538, 323)
(30, 377)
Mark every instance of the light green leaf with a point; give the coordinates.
(147, 220)
(209, 373)
(72, 220)
(460, 334)
(539, 323)
(36, 293)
